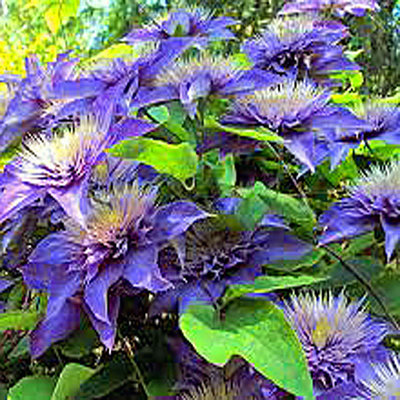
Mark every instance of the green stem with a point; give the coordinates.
(131, 356)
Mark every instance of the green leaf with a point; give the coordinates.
(71, 378)
(267, 284)
(160, 113)
(18, 320)
(257, 331)
(291, 209)
(81, 342)
(109, 377)
(59, 13)
(257, 133)
(178, 160)
(32, 387)
(226, 175)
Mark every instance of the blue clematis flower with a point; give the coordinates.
(382, 123)
(373, 201)
(212, 255)
(300, 113)
(37, 98)
(300, 47)
(182, 28)
(337, 337)
(190, 81)
(60, 164)
(357, 8)
(80, 267)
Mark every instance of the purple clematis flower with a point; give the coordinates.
(337, 337)
(80, 267)
(37, 98)
(213, 255)
(60, 165)
(339, 7)
(382, 123)
(373, 201)
(190, 81)
(183, 28)
(200, 380)
(300, 113)
(383, 381)
(300, 47)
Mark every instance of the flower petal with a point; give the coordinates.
(96, 291)
(173, 219)
(392, 235)
(142, 271)
(107, 331)
(55, 328)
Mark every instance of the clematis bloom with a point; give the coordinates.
(198, 78)
(300, 47)
(80, 267)
(60, 164)
(373, 201)
(337, 336)
(357, 8)
(300, 113)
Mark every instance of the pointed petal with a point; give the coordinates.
(142, 271)
(392, 236)
(129, 127)
(301, 145)
(173, 219)
(277, 245)
(58, 327)
(73, 200)
(96, 291)
(107, 331)
(15, 196)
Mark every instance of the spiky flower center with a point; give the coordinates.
(289, 29)
(210, 250)
(215, 389)
(119, 219)
(217, 68)
(379, 181)
(61, 159)
(331, 331)
(284, 100)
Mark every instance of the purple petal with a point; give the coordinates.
(273, 221)
(4, 284)
(338, 226)
(174, 219)
(15, 196)
(147, 96)
(96, 291)
(277, 245)
(301, 145)
(142, 271)
(73, 200)
(227, 205)
(129, 127)
(107, 331)
(77, 89)
(392, 236)
(58, 327)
